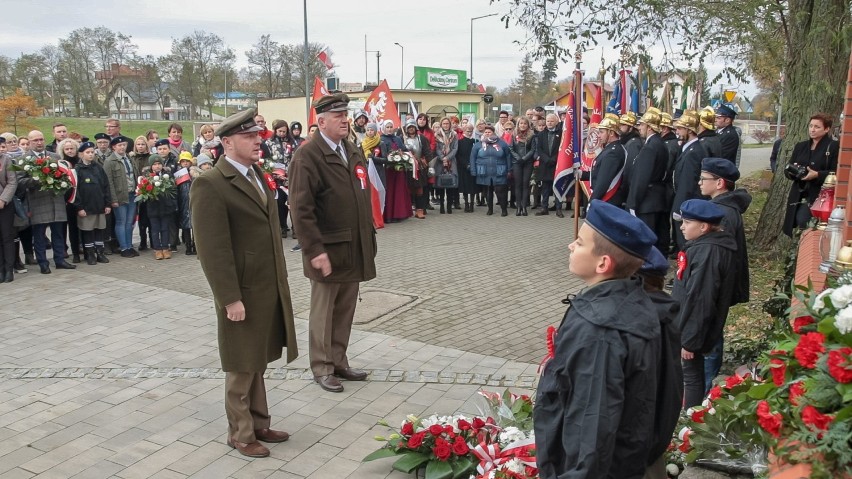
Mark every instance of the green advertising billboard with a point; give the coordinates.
(429, 78)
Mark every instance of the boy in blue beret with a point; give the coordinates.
(596, 392)
(702, 289)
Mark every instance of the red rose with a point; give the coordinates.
(464, 425)
(698, 416)
(45, 170)
(442, 451)
(796, 390)
(778, 369)
(732, 381)
(407, 429)
(39, 161)
(416, 440)
(460, 448)
(149, 187)
(58, 174)
(801, 322)
(840, 364)
(770, 422)
(809, 348)
(715, 393)
(436, 429)
(449, 429)
(478, 423)
(812, 417)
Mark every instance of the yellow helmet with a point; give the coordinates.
(707, 118)
(688, 120)
(612, 116)
(651, 118)
(666, 120)
(628, 119)
(186, 156)
(608, 124)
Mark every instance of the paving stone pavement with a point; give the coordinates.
(112, 370)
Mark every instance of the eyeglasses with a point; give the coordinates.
(111, 126)
(703, 178)
(504, 117)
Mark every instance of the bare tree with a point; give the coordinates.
(198, 54)
(267, 63)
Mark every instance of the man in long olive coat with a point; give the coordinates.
(235, 218)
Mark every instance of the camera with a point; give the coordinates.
(795, 172)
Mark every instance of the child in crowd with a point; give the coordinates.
(597, 393)
(161, 212)
(703, 288)
(92, 202)
(183, 179)
(204, 162)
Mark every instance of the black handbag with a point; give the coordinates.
(447, 180)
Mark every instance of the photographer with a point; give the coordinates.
(810, 163)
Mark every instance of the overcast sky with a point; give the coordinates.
(434, 33)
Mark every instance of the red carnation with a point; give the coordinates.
(778, 369)
(149, 187)
(812, 417)
(407, 429)
(698, 416)
(460, 447)
(478, 423)
(733, 381)
(39, 161)
(770, 422)
(796, 390)
(58, 174)
(416, 440)
(801, 322)
(715, 393)
(809, 348)
(45, 170)
(840, 364)
(436, 429)
(442, 451)
(464, 425)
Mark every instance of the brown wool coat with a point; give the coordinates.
(332, 212)
(240, 249)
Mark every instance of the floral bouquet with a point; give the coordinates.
(401, 160)
(440, 443)
(52, 176)
(153, 186)
(268, 167)
(509, 409)
(511, 456)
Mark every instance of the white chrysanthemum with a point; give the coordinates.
(165, 176)
(843, 320)
(53, 165)
(511, 434)
(818, 302)
(28, 168)
(842, 296)
(49, 180)
(672, 470)
(515, 465)
(63, 184)
(158, 183)
(156, 178)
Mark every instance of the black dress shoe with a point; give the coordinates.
(126, 254)
(45, 269)
(65, 265)
(329, 383)
(29, 259)
(351, 374)
(559, 214)
(542, 212)
(134, 252)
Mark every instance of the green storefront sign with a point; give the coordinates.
(429, 78)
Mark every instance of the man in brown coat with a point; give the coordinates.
(235, 219)
(330, 207)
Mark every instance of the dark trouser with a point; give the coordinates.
(546, 190)
(25, 237)
(522, 172)
(7, 238)
(144, 223)
(448, 194)
(421, 198)
(659, 224)
(283, 210)
(713, 363)
(693, 381)
(73, 231)
(57, 240)
(501, 192)
(93, 238)
(110, 229)
(160, 230)
(173, 231)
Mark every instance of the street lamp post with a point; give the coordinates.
(470, 78)
(402, 66)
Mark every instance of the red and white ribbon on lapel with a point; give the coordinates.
(66, 168)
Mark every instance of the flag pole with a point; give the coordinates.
(578, 123)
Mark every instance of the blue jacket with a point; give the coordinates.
(490, 165)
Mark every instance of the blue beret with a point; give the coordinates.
(701, 210)
(621, 228)
(655, 264)
(161, 142)
(721, 167)
(119, 139)
(85, 146)
(726, 109)
(101, 136)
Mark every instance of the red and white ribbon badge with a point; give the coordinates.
(361, 173)
(681, 264)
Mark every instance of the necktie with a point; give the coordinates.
(127, 168)
(339, 151)
(253, 181)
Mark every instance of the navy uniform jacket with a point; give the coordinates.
(730, 142)
(633, 144)
(687, 171)
(608, 166)
(704, 291)
(647, 192)
(595, 406)
(670, 379)
(734, 204)
(711, 143)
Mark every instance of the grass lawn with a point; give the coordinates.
(220, 110)
(90, 126)
(757, 145)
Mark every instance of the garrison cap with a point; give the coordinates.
(101, 136)
(701, 210)
(336, 102)
(119, 139)
(241, 122)
(726, 110)
(655, 264)
(621, 228)
(721, 167)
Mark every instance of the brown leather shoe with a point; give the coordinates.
(351, 374)
(329, 383)
(271, 435)
(252, 449)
